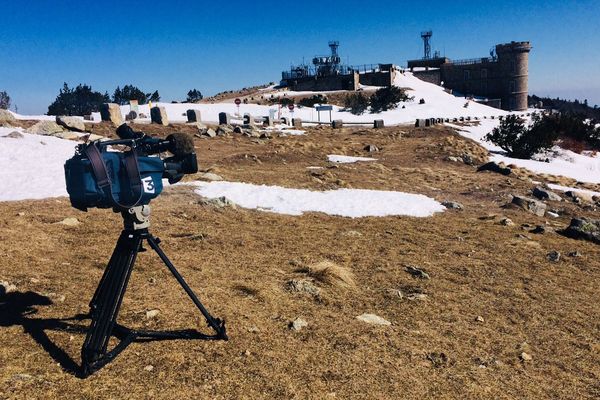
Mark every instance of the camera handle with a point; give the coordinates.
(106, 302)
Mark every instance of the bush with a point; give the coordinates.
(194, 96)
(521, 141)
(388, 98)
(285, 101)
(81, 100)
(311, 101)
(357, 103)
(4, 100)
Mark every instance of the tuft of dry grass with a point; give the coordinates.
(332, 274)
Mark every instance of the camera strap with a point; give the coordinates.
(103, 179)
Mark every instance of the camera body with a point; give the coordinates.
(98, 176)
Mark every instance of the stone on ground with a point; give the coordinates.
(14, 135)
(158, 115)
(6, 116)
(533, 206)
(584, 229)
(71, 123)
(373, 319)
(47, 128)
(298, 324)
(111, 112)
(545, 194)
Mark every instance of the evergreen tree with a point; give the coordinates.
(4, 100)
(357, 103)
(193, 96)
(388, 98)
(81, 100)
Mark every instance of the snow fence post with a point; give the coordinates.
(378, 123)
(224, 118)
(158, 115)
(337, 124)
(193, 115)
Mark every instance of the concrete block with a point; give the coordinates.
(111, 112)
(461, 119)
(268, 121)
(248, 119)
(378, 123)
(337, 124)
(158, 115)
(224, 118)
(297, 122)
(194, 116)
(284, 121)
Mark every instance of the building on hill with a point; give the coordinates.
(327, 73)
(501, 79)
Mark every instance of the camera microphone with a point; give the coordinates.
(180, 144)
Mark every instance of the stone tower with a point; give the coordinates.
(513, 62)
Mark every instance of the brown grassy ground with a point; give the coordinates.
(239, 262)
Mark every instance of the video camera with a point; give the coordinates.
(100, 176)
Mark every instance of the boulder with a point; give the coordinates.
(158, 115)
(14, 135)
(494, 167)
(336, 124)
(298, 324)
(297, 122)
(579, 197)
(533, 206)
(47, 128)
(545, 194)
(452, 205)
(210, 132)
(224, 130)
(67, 135)
(371, 148)
(71, 123)
(111, 112)
(131, 115)
(6, 116)
(224, 118)
(584, 229)
(378, 123)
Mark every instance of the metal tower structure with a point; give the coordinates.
(426, 36)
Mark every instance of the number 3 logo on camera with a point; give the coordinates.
(148, 184)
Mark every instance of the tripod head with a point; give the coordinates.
(136, 218)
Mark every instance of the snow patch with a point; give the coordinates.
(347, 159)
(31, 167)
(354, 203)
(570, 189)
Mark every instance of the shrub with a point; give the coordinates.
(388, 98)
(4, 100)
(81, 100)
(357, 103)
(521, 141)
(311, 101)
(194, 96)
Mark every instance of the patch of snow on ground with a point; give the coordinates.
(583, 168)
(347, 159)
(567, 189)
(31, 167)
(354, 203)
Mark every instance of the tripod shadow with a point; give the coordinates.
(16, 308)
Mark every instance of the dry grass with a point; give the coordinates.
(331, 274)
(239, 262)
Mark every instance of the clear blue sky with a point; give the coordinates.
(174, 46)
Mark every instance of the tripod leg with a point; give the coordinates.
(107, 301)
(215, 323)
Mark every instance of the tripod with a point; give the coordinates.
(105, 304)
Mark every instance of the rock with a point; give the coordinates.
(553, 256)
(575, 254)
(479, 318)
(219, 202)
(468, 159)
(540, 229)
(583, 228)
(111, 112)
(238, 129)
(303, 286)
(224, 130)
(494, 167)
(452, 158)
(579, 198)
(194, 116)
(298, 324)
(544, 194)
(210, 132)
(373, 319)
(14, 135)
(71, 221)
(45, 128)
(526, 357)
(158, 115)
(416, 296)
(452, 205)
(210, 177)
(6, 116)
(152, 314)
(71, 123)
(533, 206)
(149, 368)
(506, 221)
(371, 148)
(67, 135)
(251, 132)
(131, 115)
(416, 272)
(7, 287)
(552, 214)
